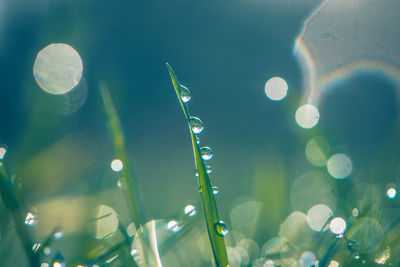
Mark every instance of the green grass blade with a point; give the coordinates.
(13, 204)
(127, 174)
(207, 196)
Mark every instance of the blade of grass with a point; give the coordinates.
(127, 174)
(13, 204)
(207, 197)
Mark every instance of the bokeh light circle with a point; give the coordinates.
(276, 88)
(338, 226)
(116, 165)
(58, 68)
(318, 216)
(339, 166)
(307, 116)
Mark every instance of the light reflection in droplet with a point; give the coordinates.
(190, 210)
(276, 88)
(196, 125)
(174, 226)
(44, 264)
(391, 192)
(58, 235)
(58, 68)
(307, 116)
(117, 165)
(317, 217)
(339, 166)
(383, 256)
(221, 228)
(2, 152)
(30, 219)
(337, 225)
(206, 153)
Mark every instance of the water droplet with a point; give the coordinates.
(356, 256)
(174, 226)
(58, 260)
(196, 124)
(36, 246)
(391, 192)
(206, 153)
(209, 170)
(353, 246)
(47, 251)
(117, 165)
(58, 235)
(221, 228)
(190, 210)
(355, 212)
(383, 256)
(30, 219)
(197, 139)
(215, 190)
(122, 183)
(185, 94)
(3, 151)
(196, 173)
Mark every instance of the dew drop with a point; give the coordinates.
(215, 190)
(196, 124)
(3, 151)
(174, 226)
(221, 228)
(190, 210)
(58, 260)
(47, 251)
(197, 140)
(30, 219)
(196, 173)
(206, 153)
(185, 94)
(356, 256)
(209, 170)
(35, 247)
(383, 256)
(122, 183)
(391, 192)
(355, 212)
(58, 235)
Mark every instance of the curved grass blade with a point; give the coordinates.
(127, 174)
(207, 196)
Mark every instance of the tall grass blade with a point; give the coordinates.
(207, 197)
(127, 174)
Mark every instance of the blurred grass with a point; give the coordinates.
(127, 173)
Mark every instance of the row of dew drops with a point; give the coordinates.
(206, 152)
